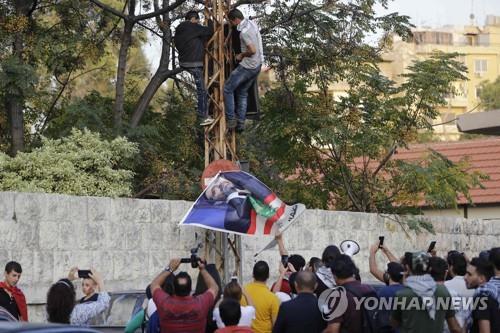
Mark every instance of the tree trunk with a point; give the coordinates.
(16, 121)
(156, 81)
(126, 40)
(160, 76)
(14, 103)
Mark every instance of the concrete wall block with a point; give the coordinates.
(495, 227)
(9, 234)
(133, 233)
(65, 260)
(28, 234)
(7, 205)
(129, 266)
(473, 227)
(178, 208)
(154, 237)
(43, 266)
(132, 210)
(115, 237)
(100, 210)
(102, 261)
(48, 235)
(71, 236)
(65, 208)
(30, 206)
(443, 224)
(94, 236)
(5, 256)
(161, 212)
(158, 260)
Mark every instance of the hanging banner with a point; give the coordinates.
(237, 202)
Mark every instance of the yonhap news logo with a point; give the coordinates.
(333, 303)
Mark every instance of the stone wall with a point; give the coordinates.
(130, 240)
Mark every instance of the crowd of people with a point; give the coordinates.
(417, 292)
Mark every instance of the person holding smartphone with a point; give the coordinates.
(61, 300)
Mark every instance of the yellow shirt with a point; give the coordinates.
(266, 306)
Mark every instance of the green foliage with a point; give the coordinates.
(170, 145)
(490, 95)
(80, 164)
(16, 79)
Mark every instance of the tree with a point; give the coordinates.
(340, 153)
(490, 94)
(43, 45)
(80, 164)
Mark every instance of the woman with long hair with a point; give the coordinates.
(60, 301)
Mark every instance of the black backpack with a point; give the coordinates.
(370, 316)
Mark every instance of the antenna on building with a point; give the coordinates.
(472, 17)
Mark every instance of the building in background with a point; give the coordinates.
(480, 49)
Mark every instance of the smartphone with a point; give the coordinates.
(284, 261)
(431, 247)
(380, 241)
(84, 273)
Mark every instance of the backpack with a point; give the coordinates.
(370, 316)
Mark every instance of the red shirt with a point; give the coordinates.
(285, 287)
(183, 314)
(234, 329)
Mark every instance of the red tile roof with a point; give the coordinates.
(484, 156)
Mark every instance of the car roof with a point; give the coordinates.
(13, 327)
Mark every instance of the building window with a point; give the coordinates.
(480, 67)
(478, 92)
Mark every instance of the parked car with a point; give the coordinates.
(123, 306)
(23, 327)
(5, 315)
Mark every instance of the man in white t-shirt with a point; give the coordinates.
(234, 291)
(241, 79)
(457, 267)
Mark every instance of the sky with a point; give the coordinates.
(436, 13)
(432, 13)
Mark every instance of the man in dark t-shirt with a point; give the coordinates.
(486, 315)
(351, 319)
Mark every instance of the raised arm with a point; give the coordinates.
(277, 285)
(281, 243)
(376, 272)
(160, 278)
(389, 254)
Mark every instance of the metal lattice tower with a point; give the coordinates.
(221, 248)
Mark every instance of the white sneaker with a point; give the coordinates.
(207, 121)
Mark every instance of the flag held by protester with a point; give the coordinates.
(237, 202)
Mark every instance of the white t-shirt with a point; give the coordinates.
(247, 316)
(151, 307)
(458, 289)
(458, 284)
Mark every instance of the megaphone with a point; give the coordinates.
(349, 247)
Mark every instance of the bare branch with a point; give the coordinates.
(109, 9)
(159, 12)
(385, 160)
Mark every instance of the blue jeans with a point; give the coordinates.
(201, 91)
(238, 83)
